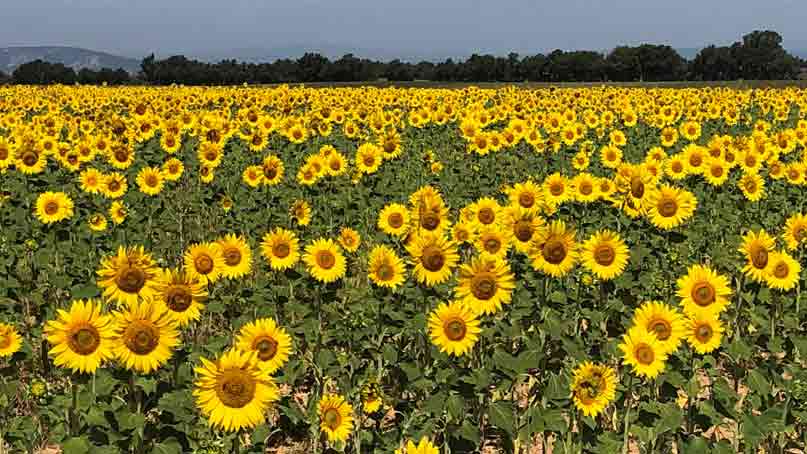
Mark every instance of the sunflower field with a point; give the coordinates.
(413, 271)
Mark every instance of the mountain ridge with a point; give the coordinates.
(73, 57)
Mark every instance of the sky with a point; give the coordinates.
(405, 27)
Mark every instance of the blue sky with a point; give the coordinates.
(403, 26)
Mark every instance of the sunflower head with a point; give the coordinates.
(336, 417)
(129, 275)
(454, 328)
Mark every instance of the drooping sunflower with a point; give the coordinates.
(349, 239)
(336, 417)
(204, 261)
(53, 207)
(757, 247)
(233, 392)
(181, 295)
(783, 271)
(433, 256)
(454, 328)
(146, 335)
(593, 387)
(394, 220)
(704, 333)
(10, 340)
(605, 254)
(150, 180)
(324, 260)
(300, 212)
(371, 397)
(82, 337)
(271, 343)
(662, 321)
(237, 256)
(642, 351)
(485, 284)
(703, 291)
(669, 207)
(281, 249)
(554, 251)
(385, 268)
(129, 274)
(795, 231)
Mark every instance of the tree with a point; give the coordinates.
(39, 72)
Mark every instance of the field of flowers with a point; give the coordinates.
(415, 271)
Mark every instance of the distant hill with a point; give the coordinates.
(73, 57)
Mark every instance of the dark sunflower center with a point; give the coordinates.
(141, 337)
(677, 167)
(644, 354)
(269, 172)
(232, 256)
(636, 187)
(586, 188)
(556, 189)
(257, 140)
(604, 254)
(281, 250)
(326, 259)
(335, 165)
(695, 160)
(121, 156)
(51, 207)
(152, 181)
(204, 264)
(703, 333)
(266, 348)
(455, 329)
(235, 388)
(430, 220)
(484, 286)
(113, 185)
(588, 390)
(661, 328)
(30, 158)
(554, 251)
(486, 216)
(131, 279)
(781, 270)
(5, 340)
(368, 160)
(800, 233)
(84, 340)
(703, 294)
(751, 186)
(178, 299)
(432, 258)
(522, 230)
(667, 207)
(332, 418)
(717, 171)
(759, 257)
(526, 200)
(395, 220)
(3, 154)
(492, 245)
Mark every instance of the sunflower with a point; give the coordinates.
(429, 214)
(181, 296)
(716, 172)
(82, 338)
(676, 167)
(204, 262)
(91, 181)
(593, 387)
(454, 328)
(237, 256)
(704, 333)
(114, 185)
(118, 212)
(585, 188)
(349, 239)
(703, 291)
(233, 392)
(524, 226)
(30, 161)
(669, 207)
(385, 268)
(423, 447)
(663, 321)
(394, 220)
(371, 397)
(643, 352)
(280, 248)
(97, 222)
(462, 232)
(611, 156)
(494, 241)
(10, 340)
(336, 417)
(753, 186)
(300, 212)
(795, 231)
(368, 158)
(270, 343)
(527, 195)
(336, 164)
(557, 189)
(150, 180)
(324, 260)
(783, 271)
(554, 251)
(172, 169)
(53, 207)
(605, 254)
(433, 256)
(145, 334)
(485, 284)
(486, 212)
(273, 170)
(757, 248)
(128, 275)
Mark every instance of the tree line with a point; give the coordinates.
(759, 56)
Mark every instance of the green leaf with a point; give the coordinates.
(76, 446)
(758, 383)
(468, 431)
(501, 416)
(697, 445)
(756, 428)
(169, 446)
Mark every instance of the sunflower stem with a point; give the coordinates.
(628, 403)
(74, 408)
(689, 391)
(237, 443)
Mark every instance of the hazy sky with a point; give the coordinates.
(409, 26)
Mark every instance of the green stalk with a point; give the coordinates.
(627, 415)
